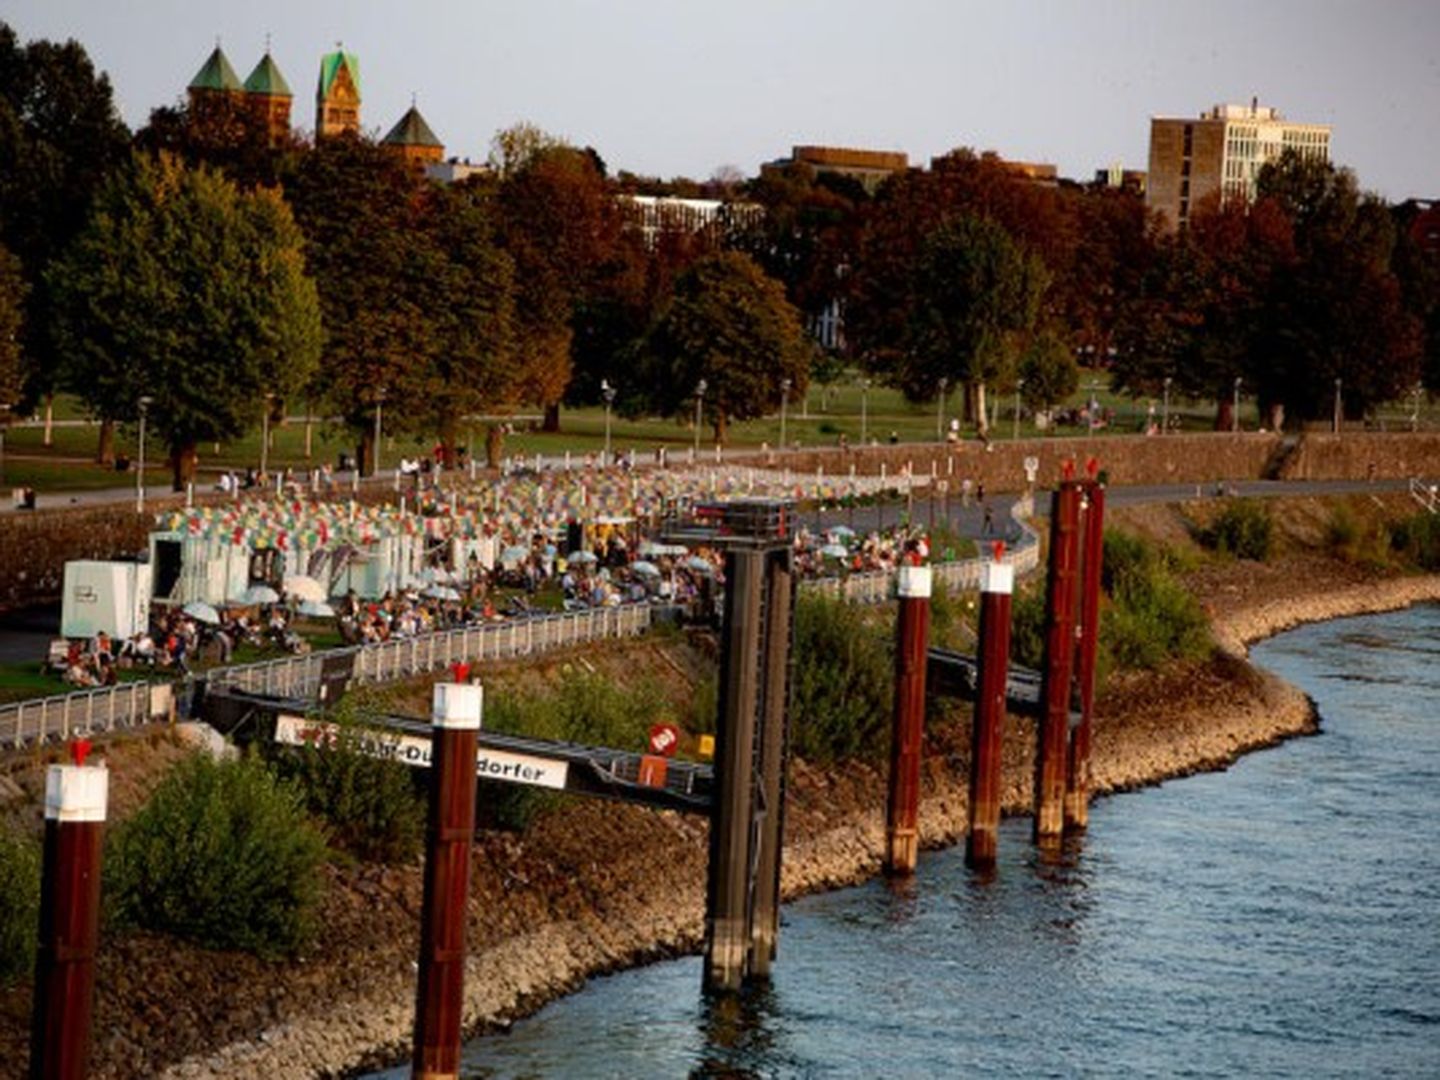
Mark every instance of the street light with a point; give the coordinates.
(864, 408)
(608, 393)
(1165, 408)
(265, 436)
(1415, 412)
(379, 402)
(784, 394)
(1337, 407)
(1015, 428)
(1094, 405)
(140, 458)
(6, 408)
(699, 408)
(1235, 406)
(940, 410)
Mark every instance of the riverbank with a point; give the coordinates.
(599, 887)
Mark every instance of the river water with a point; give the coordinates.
(1278, 919)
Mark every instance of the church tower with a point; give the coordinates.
(337, 99)
(413, 140)
(215, 80)
(269, 98)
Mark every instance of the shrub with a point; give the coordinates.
(1027, 628)
(222, 854)
(1151, 616)
(1418, 539)
(1243, 529)
(19, 905)
(953, 619)
(1351, 539)
(843, 682)
(372, 808)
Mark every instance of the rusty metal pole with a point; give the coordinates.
(774, 740)
(440, 992)
(1077, 781)
(1052, 739)
(727, 891)
(902, 834)
(75, 804)
(997, 583)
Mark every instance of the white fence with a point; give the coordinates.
(105, 709)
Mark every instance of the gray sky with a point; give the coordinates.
(680, 87)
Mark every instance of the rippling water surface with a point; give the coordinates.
(1279, 919)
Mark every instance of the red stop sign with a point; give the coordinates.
(664, 739)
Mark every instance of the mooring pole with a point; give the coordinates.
(902, 833)
(451, 828)
(75, 803)
(774, 739)
(1052, 739)
(1077, 781)
(997, 583)
(728, 880)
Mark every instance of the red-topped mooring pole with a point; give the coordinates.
(451, 827)
(997, 583)
(75, 803)
(902, 832)
(1092, 546)
(1052, 742)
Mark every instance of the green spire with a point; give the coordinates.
(216, 74)
(266, 79)
(412, 130)
(330, 65)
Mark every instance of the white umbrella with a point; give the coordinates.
(442, 592)
(840, 530)
(202, 612)
(303, 587)
(650, 548)
(316, 609)
(514, 554)
(702, 565)
(835, 551)
(584, 557)
(259, 594)
(649, 569)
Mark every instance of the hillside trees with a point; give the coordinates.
(730, 325)
(184, 291)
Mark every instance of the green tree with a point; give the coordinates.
(730, 325)
(12, 316)
(187, 292)
(60, 139)
(1050, 372)
(974, 294)
(418, 302)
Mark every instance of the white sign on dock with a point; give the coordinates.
(414, 750)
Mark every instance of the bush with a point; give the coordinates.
(222, 854)
(1027, 628)
(1418, 539)
(1350, 539)
(19, 906)
(843, 682)
(1151, 616)
(371, 807)
(1243, 529)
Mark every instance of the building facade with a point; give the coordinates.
(870, 167)
(1220, 154)
(337, 97)
(414, 141)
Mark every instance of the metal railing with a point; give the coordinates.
(1427, 495)
(106, 709)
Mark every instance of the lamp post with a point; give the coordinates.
(1235, 406)
(1094, 405)
(265, 436)
(140, 458)
(6, 408)
(699, 409)
(1415, 411)
(784, 394)
(1015, 427)
(940, 410)
(864, 409)
(1336, 422)
(608, 393)
(1165, 408)
(379, 404)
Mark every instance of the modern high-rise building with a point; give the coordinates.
(1220, 154)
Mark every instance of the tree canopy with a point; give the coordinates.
(730, 325)
(187, 292)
